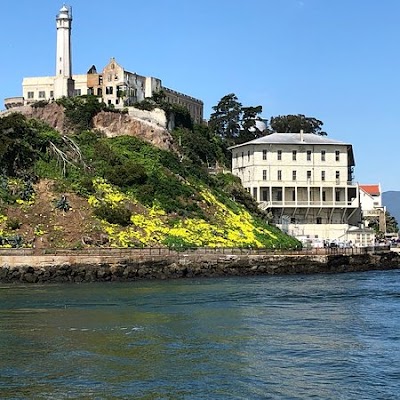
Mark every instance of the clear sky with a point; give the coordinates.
(335, 60)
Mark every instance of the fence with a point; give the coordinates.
(162, 251)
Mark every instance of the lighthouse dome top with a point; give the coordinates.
(64, 12)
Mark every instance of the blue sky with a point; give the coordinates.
(336, 60)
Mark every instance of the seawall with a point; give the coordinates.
(101, 268)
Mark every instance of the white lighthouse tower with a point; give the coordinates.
(64, 84)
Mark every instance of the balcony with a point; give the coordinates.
(265, 205)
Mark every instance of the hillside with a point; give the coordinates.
(86, 189)
(391, 200)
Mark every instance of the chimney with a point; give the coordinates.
(301, 135)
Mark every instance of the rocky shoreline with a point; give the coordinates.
(78, 269)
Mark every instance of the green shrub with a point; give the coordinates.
(120, 215)
(13, 224)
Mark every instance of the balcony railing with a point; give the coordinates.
(264, 205)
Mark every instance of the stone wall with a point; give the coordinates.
(40, 269)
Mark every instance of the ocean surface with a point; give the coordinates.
(269, 337)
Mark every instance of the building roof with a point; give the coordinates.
(299, 139)
(372, 190)
(293, 138)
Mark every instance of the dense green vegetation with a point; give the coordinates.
(142, 195)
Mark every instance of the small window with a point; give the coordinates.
(264, 174)
(294, 155)
(77, 92)
(109, 90)
(308, 175)
(100, 79)
(319, 220)
(279, 155)
(337, 195)
(337, 176)
(324, 196)
(42, 94)
(337, 155)
(248, 155)
(51, 94)
(323, 155)
(279, 175)
(322, 175)
(294, 175)
(293, 195)
(30, 95)
(264, 154)
(308, 155)
(279, 195)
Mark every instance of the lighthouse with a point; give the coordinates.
(63, 84)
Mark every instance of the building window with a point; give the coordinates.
(100, 79)
(323, 154)
(42, 94)
(77, 92)
(294, 155)
(337, 155)
(319, 220)
(279, 195)
(293, 195)
(99, 92)
(279, 175)
(264, 154)
(255, 193)
(308, 155)
(294, 175)
(324, 196)
(248, 155)
(308, 175)
(337, 176)
(109, 90)
(30, 95)
(109, 78)
(337, 195)
(264, 174)
(51, 94)
(279, 155)
(322, 175)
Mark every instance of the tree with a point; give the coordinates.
(391, 223)
(296, 123)
(225, 120)
(249, 129)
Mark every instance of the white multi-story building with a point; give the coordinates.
(305, 181)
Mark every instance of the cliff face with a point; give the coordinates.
(52, 114)
(148, 126)
(114, 124)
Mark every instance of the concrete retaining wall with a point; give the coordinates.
(40, 269)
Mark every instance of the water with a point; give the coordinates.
(289, 337)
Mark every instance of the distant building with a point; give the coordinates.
(306, 182)
(371, 204)
(114, 85)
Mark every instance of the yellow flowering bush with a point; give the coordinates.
(153, 227)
